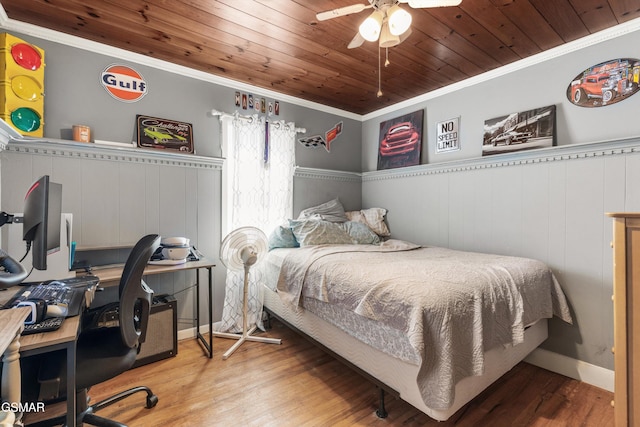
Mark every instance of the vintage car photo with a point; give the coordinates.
(606, 83)
(511, 137)
(520, 131)
(164, 134)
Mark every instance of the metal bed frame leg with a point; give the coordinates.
(381, 412)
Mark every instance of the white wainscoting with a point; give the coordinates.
(118, 194)
(547, 204)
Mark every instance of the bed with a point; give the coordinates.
(435, 325)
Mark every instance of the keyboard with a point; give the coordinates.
(67, 292)
(47, 325)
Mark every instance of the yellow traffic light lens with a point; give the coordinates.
(26, 88)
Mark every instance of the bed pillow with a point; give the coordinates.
(373, 217)
(330, 211)
(282, 237)
(360, 233)
(318, 232)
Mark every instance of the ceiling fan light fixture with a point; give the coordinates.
(387, 39)
(370, 28)
(416, 4)
(399, 20)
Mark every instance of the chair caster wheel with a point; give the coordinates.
(152, 401)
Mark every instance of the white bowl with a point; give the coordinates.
(175, 253)
(174, 241)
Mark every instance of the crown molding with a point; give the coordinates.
(572, 46)
(103, 49)
(100, 48)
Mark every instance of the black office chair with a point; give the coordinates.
(103, 353)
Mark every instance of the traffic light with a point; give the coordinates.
(22, 85)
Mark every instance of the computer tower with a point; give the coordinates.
(162, 334)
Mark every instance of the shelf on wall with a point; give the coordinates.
(90, 150)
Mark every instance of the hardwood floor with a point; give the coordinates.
(297, 384)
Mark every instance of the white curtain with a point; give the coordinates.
(258, 180)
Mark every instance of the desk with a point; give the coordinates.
(62, 339)
(113, 274)
(13, 322)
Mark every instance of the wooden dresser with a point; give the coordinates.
(626, 324)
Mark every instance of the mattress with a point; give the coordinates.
(394, 373)
(435, 308)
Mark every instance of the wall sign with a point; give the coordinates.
(320, 141)
(448, 135)
(164, 134)
(123, 83)
(605, 83)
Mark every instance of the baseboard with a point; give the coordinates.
(554, 362)
(190, 333)
(572, 368)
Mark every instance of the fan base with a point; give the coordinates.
(242, 338)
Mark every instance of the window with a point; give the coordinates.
(257, 191)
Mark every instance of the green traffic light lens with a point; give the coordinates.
(25, 119)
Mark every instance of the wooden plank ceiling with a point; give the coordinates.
(279, 45)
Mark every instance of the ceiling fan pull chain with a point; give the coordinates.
(379, 94)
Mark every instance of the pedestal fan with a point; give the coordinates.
(240, 250)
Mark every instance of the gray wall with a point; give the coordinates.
(548, 204)
(74, 95)
(117, 196)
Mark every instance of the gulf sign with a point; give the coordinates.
(123, 83)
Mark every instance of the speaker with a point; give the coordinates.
(162, 332)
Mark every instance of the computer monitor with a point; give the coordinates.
(41, 220)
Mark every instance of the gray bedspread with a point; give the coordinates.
(452, 305)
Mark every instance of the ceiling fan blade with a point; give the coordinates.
(417, 4)
(341, 11)
(356, 41)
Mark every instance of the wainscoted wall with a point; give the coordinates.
(312, 187)
(548, 204)
(118, 195)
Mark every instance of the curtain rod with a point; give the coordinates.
(237, 115)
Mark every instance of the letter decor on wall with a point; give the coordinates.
(123, 83)
(519, 131)
(248, 102)
(605, 83)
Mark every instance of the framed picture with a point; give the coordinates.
(520, 131)
(400, 141)
(164, 134)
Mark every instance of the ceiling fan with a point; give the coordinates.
(389, 24)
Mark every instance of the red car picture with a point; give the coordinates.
(401, 143)
(604, 84)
